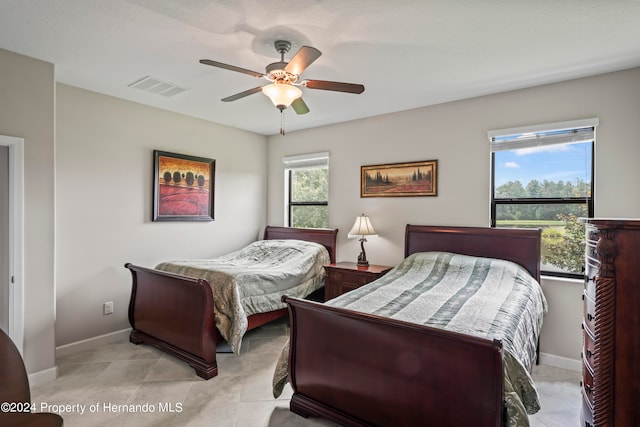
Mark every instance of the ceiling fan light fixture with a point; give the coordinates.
(282, 95)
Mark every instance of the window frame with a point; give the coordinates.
(301, 162)
(292, 205)
(588, 200)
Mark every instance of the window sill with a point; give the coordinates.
(562, 280)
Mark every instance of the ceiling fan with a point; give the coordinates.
(284, 88)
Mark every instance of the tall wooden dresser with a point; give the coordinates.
(611, 351)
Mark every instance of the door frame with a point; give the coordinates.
(16, 238)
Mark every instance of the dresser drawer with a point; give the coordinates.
(591, 252)
(589, 349)
(335, 276)
(586, 417)
(349, 277)
(589, 312)
(591, 271)
(357, 279)
(343, 277)
(587, 384)
(590, 286)
(592, 234)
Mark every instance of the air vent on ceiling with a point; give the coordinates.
(153, 85)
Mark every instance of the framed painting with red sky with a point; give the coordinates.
(183, 187)
(400, 179)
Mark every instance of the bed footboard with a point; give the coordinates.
(359, 369)
(175, 314)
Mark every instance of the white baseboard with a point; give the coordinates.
(560, 362)
(41, 377)
(89, 343)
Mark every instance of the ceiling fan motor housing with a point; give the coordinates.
(277, 74)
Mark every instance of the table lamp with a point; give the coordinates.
(361, 228)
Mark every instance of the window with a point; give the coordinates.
(542, 177)
(307, 190)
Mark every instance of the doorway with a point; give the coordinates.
(4, 238)
(11, 238)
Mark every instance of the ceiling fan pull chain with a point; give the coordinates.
(281, 122)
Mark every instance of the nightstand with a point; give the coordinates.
(346, 276)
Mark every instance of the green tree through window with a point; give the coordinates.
(307, 183)
(309, 200)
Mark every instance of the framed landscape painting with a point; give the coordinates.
(399, 179)
(183, 187)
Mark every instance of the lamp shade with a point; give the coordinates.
(281, 94)
(362, 227)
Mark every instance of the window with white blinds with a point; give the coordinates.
(542, 177)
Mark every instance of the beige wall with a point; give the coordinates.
(104, 168)
(456, 135)
(27, 91)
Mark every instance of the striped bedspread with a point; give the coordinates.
(487, 298)
(253, 279)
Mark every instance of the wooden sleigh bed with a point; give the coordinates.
(362, 369)
(175, 313)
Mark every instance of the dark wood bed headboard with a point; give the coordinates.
(519, 245)
(324, 236)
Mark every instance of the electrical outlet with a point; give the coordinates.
(107, 308)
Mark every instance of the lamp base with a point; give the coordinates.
(362, 258)
(362, 261)
(362, 265)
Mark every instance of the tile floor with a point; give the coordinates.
(126, 374)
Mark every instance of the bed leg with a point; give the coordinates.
(206, 372)
(134, 338)
(297, 406)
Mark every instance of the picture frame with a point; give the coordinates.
(183, 187)
(408, 179)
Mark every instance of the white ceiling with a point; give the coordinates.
(407, 53)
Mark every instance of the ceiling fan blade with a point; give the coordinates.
(302, 59)
(242, 94)
(335, 86)
(230, 67)
(299, 106)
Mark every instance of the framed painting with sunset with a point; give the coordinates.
(183, 187)
(400, 179)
